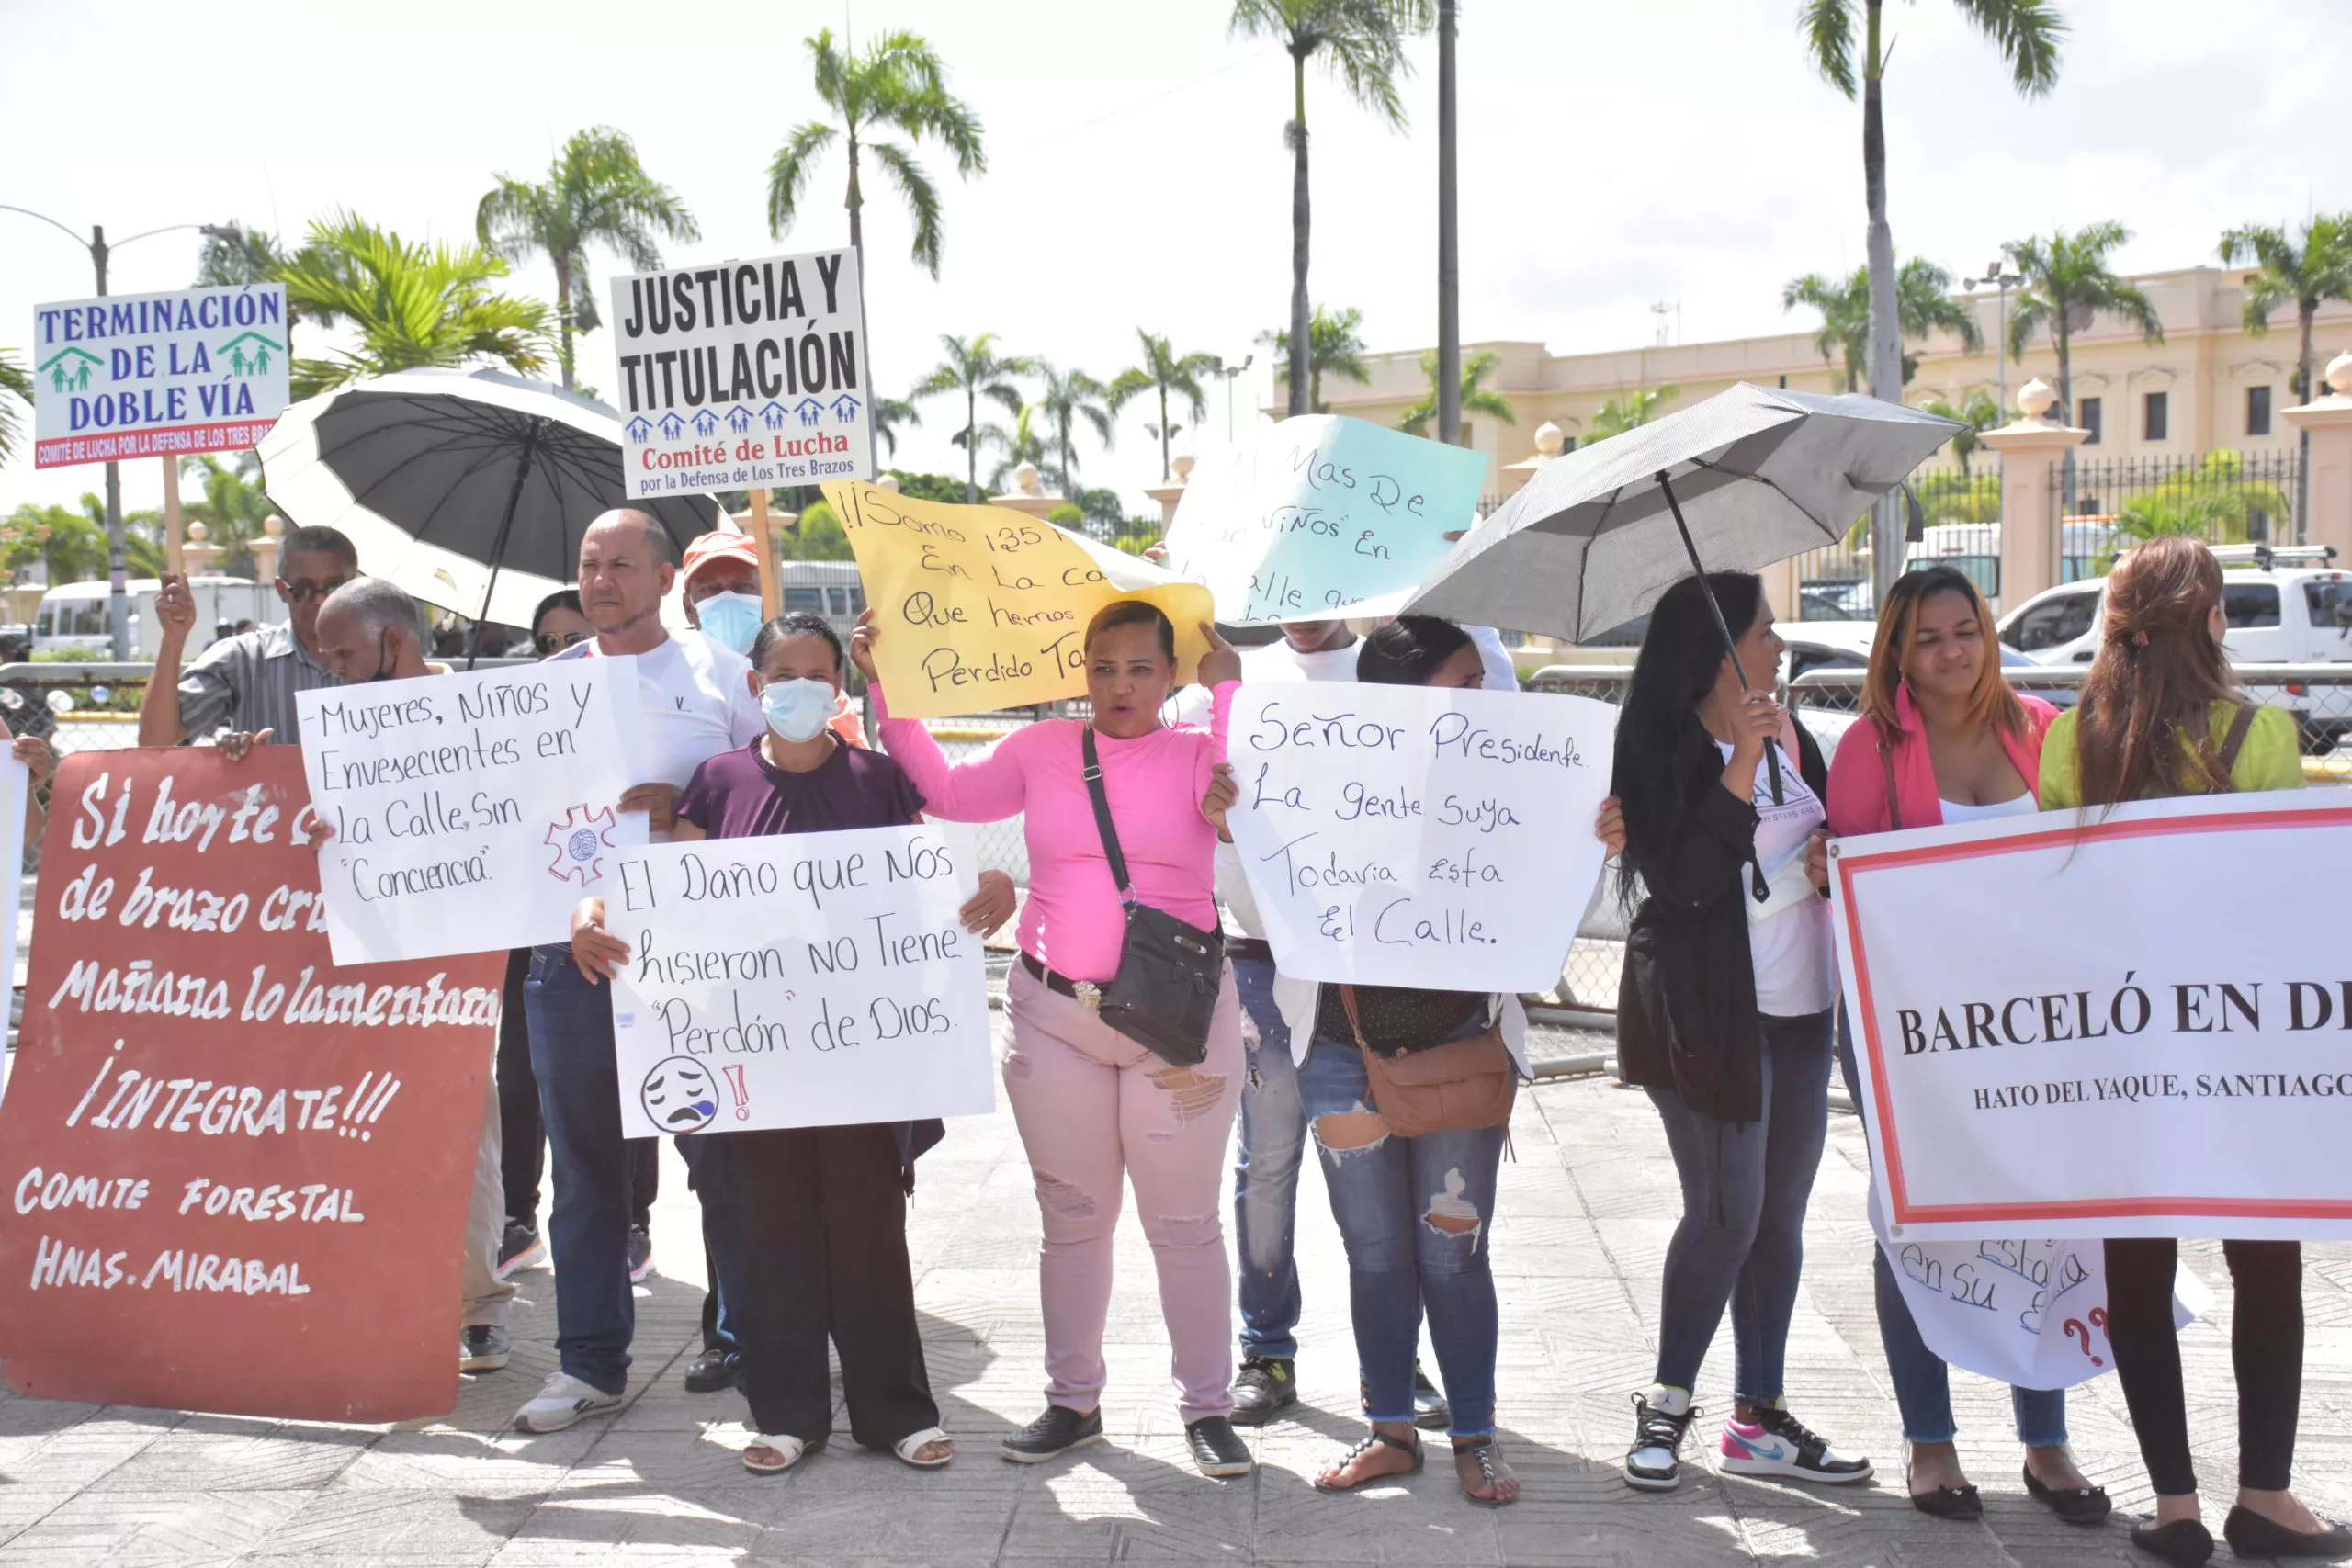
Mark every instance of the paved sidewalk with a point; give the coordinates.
(1585, 1214)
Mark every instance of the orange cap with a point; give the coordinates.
(718, 545)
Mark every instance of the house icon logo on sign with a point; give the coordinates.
(844, 407)
(639, 431)
(248, 354)
(739, 419)
(705, 423)
(809, 409)
(672, 428)
(772, 416)
(69, 370)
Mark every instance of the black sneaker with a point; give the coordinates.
(521, 1247)
(481, 1348)
(641, 1253)
(1776, 1443)
(1654, 1463)
(712, 1370)
(1216, 1447)
(1055, 1433)
(1431, 1412)
(1265, 1386)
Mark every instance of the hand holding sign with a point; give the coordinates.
(985, 607)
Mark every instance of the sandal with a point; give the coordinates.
(787, 1448)
(1372, 1440)
(1492, 1471)
(910, 1447)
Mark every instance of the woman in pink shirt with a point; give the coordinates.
(1094, 1106)
(1943, 739)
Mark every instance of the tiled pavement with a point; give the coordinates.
(1583, 1221)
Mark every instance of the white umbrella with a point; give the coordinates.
(471, 489)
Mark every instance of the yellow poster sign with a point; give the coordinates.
(983, 607)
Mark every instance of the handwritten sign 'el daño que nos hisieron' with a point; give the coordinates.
(984, 607)
(220, 1153)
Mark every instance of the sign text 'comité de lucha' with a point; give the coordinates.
(219, 1152)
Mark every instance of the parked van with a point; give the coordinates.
(73, 616)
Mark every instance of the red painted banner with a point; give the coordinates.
(233, 436)
(233, 1176)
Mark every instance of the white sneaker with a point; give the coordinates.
(563, 1400)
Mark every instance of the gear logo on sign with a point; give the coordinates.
(581, 841)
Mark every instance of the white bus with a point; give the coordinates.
(73, 616)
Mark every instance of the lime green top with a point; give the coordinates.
(2270, 757)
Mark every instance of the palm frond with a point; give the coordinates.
(789, 170)
(2028, 33)
(922, 200)
(1828, 29)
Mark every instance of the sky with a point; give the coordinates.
(1613, 155)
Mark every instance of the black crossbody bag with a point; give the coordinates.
(1165, 993)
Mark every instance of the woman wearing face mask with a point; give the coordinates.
(1943, 739)
(1723, 1013)
(2160, 716)
(1094, 1105)
(823, 1208)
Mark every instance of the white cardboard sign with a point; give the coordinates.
(470, 811)
(800, 980)
(749, 373)
(2133, 1025)
(1418, 836)
(147, 374)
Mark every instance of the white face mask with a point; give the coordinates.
(797, 710)
(732, 619)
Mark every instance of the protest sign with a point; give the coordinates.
(983, 607)
(800, 980)
(147, 374)
(1321, 517)
(222, 1153)
(2115, 1027)
(749, 374)
(1418, 835)
(2028, 1313)
(470, 811)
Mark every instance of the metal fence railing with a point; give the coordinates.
(2223, 497)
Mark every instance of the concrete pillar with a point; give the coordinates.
(2328, 422)
(265, 549)
(1168, 495)
(2031, 449)
(1781, 590)
(1549, 441)
(1027, 495)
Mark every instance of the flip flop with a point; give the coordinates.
(1489, 1456)
(912, 1444)
(790, 1448)
(1376, 1436)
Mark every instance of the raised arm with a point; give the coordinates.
(160, 722)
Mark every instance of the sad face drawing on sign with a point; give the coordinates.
(679, 1096)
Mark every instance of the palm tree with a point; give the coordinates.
(16, 387)
(2027, 32)
(231, 504)
(1025, 443)
(1923, 304)
(596, 194)
(1977, 414)
(889, 413)
(234, 255)
(1474, 398)
(2211, 501)
(1628, 411)
(1361, 42)
(1333, 347)
(1063, 399)
(977, 371)
(2311, 273)
(1164, 370)
(2066, 282)
(897, 84)
(408, 304)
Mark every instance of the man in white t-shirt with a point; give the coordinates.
(1273, 1121)
(694, 702)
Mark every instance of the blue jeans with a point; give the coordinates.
(1265, 1170)
(1742, 1237)
(1414, 1213)
(588, 1219)
(1922, 1381)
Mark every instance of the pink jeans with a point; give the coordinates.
(1093, 1105)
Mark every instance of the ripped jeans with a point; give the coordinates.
(1414, 1213)
(1097, 1109)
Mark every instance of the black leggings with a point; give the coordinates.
(2265, 1347)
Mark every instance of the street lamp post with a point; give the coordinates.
(118, 580)
(1228, 373)
(2001, 280)
(1449, 249)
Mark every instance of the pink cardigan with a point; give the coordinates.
(1858, 783)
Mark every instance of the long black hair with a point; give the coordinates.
(1407, 650)
(1680, 656)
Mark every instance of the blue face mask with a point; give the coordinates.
(731, 618)
(797, 710)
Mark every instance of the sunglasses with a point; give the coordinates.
(303, 592)
(547, 642)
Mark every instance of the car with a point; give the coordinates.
(2285, 605)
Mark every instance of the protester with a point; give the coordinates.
(1723, 1012)
(367, 630)
(247, 683)
(694, 699)
(1943, 739)
(823, 1208)
(556, 625)
(2159, 716)
(720, 588)
(1092, 1103)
